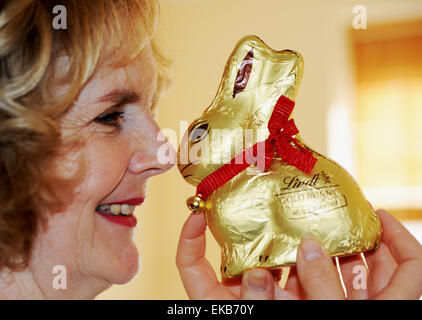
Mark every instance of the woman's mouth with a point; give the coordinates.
(120, 212)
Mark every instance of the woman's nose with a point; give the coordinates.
(155, 156)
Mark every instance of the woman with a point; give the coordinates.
(78, 142)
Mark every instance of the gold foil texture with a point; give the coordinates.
(258, 217)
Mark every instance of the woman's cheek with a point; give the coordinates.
(108, 161)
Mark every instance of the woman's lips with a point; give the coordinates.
(133, 201)
(126, 219)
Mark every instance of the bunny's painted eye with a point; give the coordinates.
(199, 132)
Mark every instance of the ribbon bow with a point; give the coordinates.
(281, 140)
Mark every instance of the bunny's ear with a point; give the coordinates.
(253, 65)
(243, 73)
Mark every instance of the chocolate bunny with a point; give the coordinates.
(258, 214)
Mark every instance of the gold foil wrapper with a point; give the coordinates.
(257, 217)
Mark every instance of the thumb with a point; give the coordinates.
(257, 284)
(317, 274)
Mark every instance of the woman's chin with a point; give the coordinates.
(116, 256)
(125, 265)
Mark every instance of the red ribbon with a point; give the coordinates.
(281, 141)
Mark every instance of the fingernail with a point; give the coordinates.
(257, 280)
(310, 247)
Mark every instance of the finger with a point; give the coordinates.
(399, 240)
(284, 294)
(257, 284)
(382, 266)
(363, 283)
(317, 274)
(196, 273)
(293, 285)
(406, 282)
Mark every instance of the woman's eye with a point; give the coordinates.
(111, 119)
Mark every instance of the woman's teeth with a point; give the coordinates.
(116, 209)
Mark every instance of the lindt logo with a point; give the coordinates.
(293, 182)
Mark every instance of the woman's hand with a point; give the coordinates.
(200, 280)
(395, 269)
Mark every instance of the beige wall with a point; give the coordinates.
(199, 35)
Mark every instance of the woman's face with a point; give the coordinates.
(93, 236)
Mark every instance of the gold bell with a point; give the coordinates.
(196, 204)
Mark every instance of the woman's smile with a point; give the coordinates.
(120, 212)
